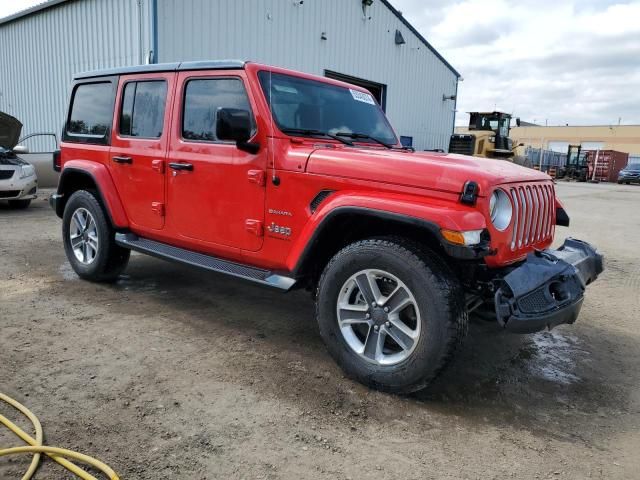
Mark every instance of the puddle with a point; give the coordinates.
(554, 356)
(127, 283)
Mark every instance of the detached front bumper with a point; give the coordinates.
(548, 289)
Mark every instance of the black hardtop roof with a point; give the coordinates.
(165, 67)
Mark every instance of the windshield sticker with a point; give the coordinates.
(362, 97)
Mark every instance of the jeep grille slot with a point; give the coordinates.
(533, 215)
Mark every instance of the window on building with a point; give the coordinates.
(143, 106)
(406, 141)
(202, 100)
(92, 110)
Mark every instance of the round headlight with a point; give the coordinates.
(500, 210)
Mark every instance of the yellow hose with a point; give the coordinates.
(56, 454)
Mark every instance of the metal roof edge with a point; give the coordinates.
(420, 37)
(28, 11)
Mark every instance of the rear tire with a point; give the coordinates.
(19, 204)
(433, 323)
(89, 240)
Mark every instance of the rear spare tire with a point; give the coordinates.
(391, 313)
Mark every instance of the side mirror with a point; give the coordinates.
(517, 122)
(235, 125)
(20, 150)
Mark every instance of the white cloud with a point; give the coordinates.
(566, 61)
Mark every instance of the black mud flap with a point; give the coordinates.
(548, 288)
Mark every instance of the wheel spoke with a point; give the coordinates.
(368, 286)
(353, 314)
(400, 335)
(397, 300)
(373, 344)
(85, 252)
(76, 241)
(76, 223)
(91, 228)
(82, 220)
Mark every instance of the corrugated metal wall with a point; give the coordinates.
(285, 33)
(40, 53)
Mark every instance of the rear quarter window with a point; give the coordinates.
(91, 113)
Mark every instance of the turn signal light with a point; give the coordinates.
(468, 238)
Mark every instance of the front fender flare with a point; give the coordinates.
(433, 216)
(104, 184)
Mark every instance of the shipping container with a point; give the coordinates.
(604, 165)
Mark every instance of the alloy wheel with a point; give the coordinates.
(378, 317)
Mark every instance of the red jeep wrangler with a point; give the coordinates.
(290, 180)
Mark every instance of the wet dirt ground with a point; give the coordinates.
(177, 373)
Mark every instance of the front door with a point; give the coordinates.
(139, 147)
(216, 192)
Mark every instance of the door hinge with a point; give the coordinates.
(254, 226)
(257, 177)
(158, 165)
(158, 208)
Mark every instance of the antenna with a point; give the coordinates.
(274, 178)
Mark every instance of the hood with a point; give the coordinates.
(436, 171)
(10, 129)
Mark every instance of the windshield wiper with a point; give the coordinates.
(315, 133)
(364, 136)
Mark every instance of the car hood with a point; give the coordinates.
(437, 171)
(10, 129)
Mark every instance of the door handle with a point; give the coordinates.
(181, 166)
(127, 160)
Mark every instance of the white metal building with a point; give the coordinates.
(362, 41)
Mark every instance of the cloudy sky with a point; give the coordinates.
(555, 61)
(561, 61)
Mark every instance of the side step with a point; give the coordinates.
(167, 252)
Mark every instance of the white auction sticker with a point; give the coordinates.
(362, 97)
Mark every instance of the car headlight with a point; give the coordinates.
(27, 171)
(500, 210)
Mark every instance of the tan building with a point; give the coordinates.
(622, 138)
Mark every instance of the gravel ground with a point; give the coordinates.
(177, 373)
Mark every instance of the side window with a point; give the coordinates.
(92, 110)
(203, 98)
(142, 113)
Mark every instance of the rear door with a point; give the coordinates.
(139, 147)
(216, 192)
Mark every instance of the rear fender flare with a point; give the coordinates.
(432, 216)
(101, 177)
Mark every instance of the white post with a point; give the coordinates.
(595, 165)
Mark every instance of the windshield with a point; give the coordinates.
(301, 104)
(494, 123)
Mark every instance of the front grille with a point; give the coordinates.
(9, 193)
(533, 214)
(6, 174)
(463, 144)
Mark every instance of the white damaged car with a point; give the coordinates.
(18, 180)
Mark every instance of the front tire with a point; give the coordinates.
(89, 240)
(391, 313)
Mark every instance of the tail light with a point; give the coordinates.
(57, 163)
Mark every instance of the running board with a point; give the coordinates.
(168, 252)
